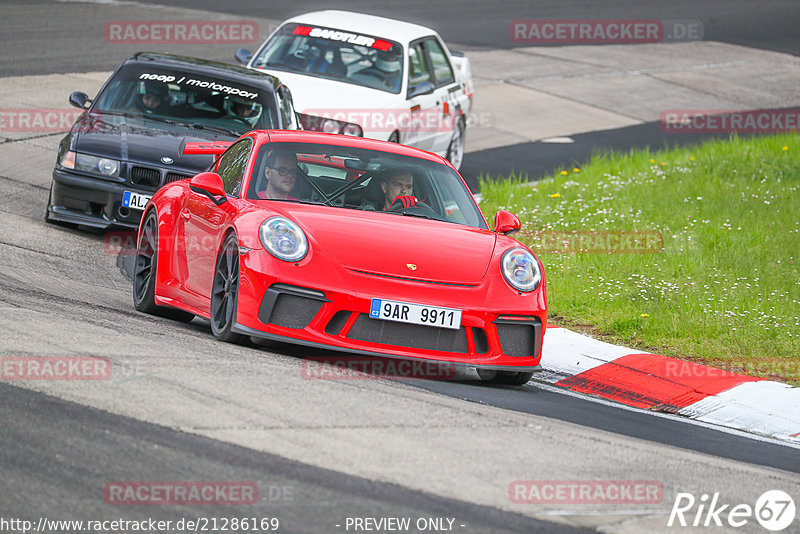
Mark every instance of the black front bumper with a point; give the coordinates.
(94, 202)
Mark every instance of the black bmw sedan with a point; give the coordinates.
(128, 141)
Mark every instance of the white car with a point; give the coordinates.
(370, 76)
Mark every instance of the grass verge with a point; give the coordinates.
(690, 253)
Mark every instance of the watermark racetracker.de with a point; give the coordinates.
(146, 524)
(606, 31)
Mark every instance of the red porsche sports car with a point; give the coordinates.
(343, 243)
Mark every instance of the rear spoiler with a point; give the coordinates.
(206, 147)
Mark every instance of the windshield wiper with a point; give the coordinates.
(198, 126)
(113, 113)
(217, 129)
(420, 215)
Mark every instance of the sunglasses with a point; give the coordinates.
(283, 171)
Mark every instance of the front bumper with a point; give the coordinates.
(499, 329)
(94, 202)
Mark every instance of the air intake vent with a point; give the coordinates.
(519, 336)
(145, 177)
(409, 335)
(174, 177)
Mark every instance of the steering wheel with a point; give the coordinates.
(419, 208)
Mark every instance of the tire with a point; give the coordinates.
(145, 268)
(395, 137)
(225, 292)
(455, 152)
(505, 378)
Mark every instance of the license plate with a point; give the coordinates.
(136, 201)
(407, 312)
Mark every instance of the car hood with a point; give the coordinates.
(140, 141)
(313, 95)
(397, 245)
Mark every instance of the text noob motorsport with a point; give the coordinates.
(214, 86)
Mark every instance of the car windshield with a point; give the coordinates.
(348, 57)
(203, 102)
(354, 178)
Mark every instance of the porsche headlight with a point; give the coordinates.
(283, 239)
(95, 165)
(521, 269)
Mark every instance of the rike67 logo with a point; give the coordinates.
(774, 510)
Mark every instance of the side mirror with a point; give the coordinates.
(79, 99)
(243, 55)
(506, 222)
(209, 184)
(422, 88)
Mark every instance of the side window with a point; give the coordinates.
(418, 68)
(232, 164)
(441, 64)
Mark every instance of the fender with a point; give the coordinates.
(167, 210)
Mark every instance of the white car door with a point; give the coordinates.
(424, 107)
(445, 93)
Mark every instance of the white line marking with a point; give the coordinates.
(556, 389)
(605, 512)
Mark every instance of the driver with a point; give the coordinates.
(389, 64)
(245, 110)
(398, 183)
(153, 100)
(281, 172)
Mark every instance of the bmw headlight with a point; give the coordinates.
(95, 165)
(283, 239)
(521, 269)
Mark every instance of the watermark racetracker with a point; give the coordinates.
(593, 241)
(586, 492)
(54, 368)
(160, 493)
(755, 121)
(180, 31)
(365, 368)
(37, 120)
